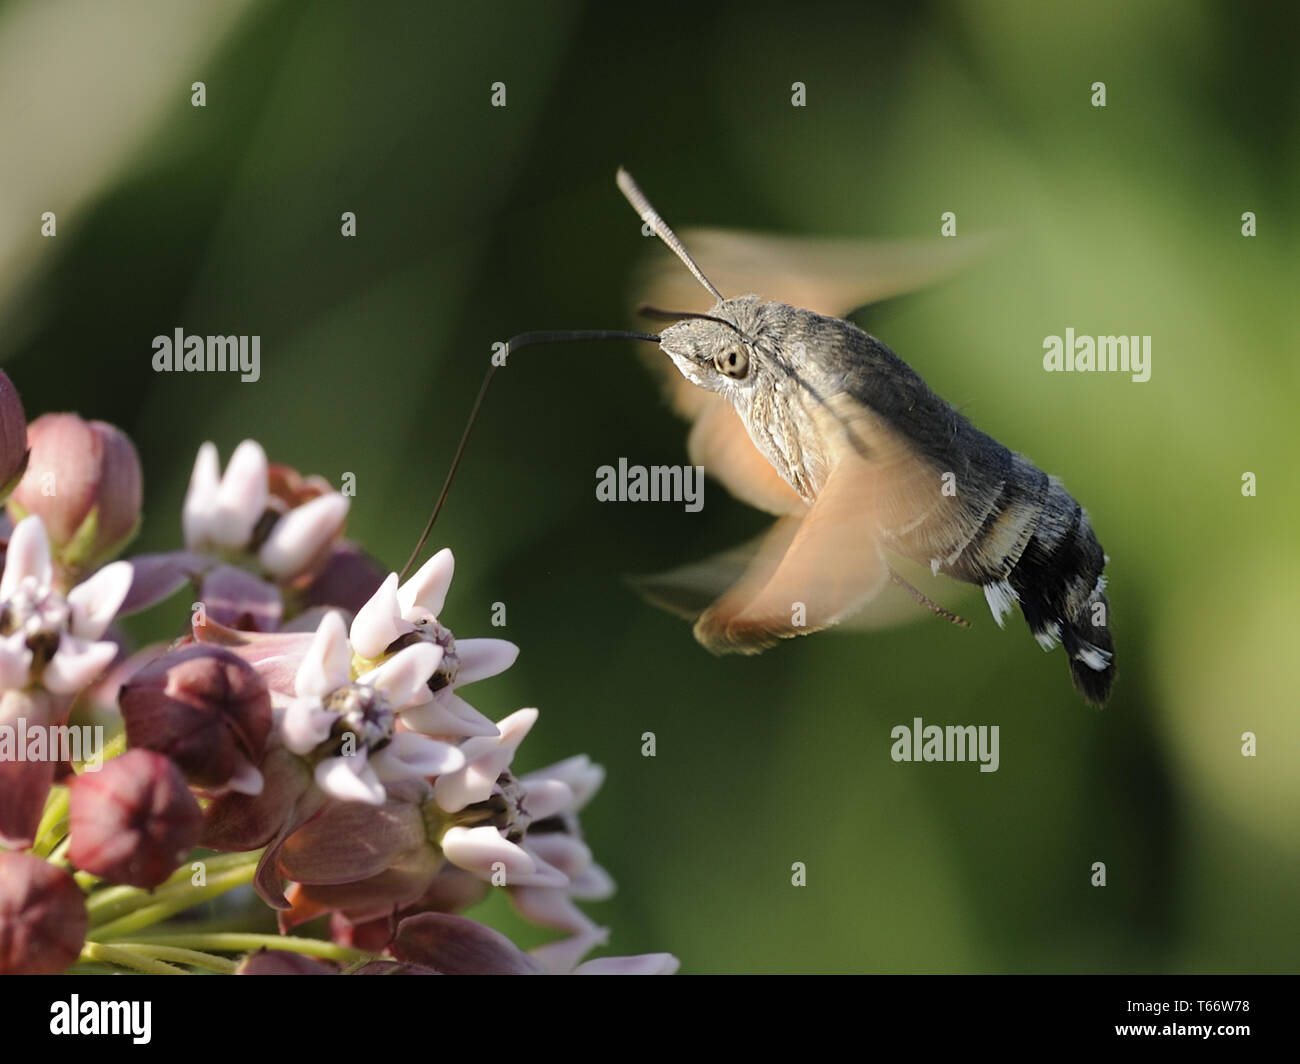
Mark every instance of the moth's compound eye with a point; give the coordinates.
(733, 362)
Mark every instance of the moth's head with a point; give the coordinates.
(743, 349)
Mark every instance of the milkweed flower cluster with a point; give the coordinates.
(303, 744)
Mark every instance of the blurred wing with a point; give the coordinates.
(829, 276)
(688, 590)
(828, 565)
(826, 570)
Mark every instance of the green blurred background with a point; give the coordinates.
(475, 223)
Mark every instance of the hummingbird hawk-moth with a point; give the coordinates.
(810, 418)
(804, 415)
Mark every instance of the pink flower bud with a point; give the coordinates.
(454, 945)
(83, 480)
(205, 708)
(42, 916)
(282, 962)
(24, 781)
(451, 891)
(134, 821)
(13, 437)
(291, 488)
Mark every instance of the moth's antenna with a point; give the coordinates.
(647, 311)
(528, 339)
(650, 216)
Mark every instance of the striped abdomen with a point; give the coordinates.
(950, 495)
(1035, 546)
(1026, 540)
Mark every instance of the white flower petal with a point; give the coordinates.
(478, 850)
(424, 593)
(413, 756)
(305, 725)
(95, 601)
(473, 783)
(578, 772)
(350, 779)
(201, 499)
(15, 661)
(571, 856)
(642, 964)
(379, 621)
(565, 954)
(481, 658)
(543, 875)
(403, 676)
(593, 883)
(449, 715)
(546, 798)
(241, 498)
(300, 535)
(327, 665)
(551, 907)
(485, 759)
(28, 554)
(246, 779)
(76, 664)
(511, 732)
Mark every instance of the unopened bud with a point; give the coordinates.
(282, 962)
(13, 437)
(83, 480)
(42, 916)
(205, 708)
(133, 822)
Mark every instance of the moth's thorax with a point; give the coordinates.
(786, 431)
(779, 400)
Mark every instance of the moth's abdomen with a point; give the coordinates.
(1059, 583)
(1034, 546)
(1022, 537)
(950, 495)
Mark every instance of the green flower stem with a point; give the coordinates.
(115, 747)
(174, 902)
(209, 962)
(112, 902)
(59, 855)
(125, 958)
(54, 821)
(57, 833)
(85, 880)
(236, 921)
(243, 942)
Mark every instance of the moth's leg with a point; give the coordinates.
(929, 603)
